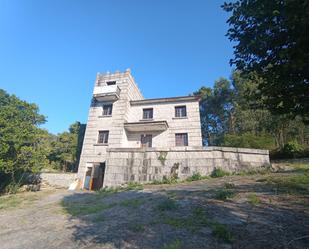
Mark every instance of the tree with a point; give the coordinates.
(272, 40)
(20, 149)
(66, 148)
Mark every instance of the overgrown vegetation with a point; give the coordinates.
(26, 148)
(196, 177)
(292, 184)
(218, 172)
(253, 199)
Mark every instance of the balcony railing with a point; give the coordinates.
(106, 93)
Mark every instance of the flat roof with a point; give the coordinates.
(164, 100)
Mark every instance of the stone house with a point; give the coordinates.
(120, 117)
(129, 138)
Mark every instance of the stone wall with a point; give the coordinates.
(58, 179)
(146, 165)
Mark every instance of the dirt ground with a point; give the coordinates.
(227, 212)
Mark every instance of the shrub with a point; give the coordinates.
(221, 232)
(167, 205)
(196, 177)
(248, 140)
(218, 172)
(224, 194)
(292, 149)
(254, 199)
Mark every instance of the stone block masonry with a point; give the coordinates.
(148, 164)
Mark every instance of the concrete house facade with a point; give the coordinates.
(120, 117)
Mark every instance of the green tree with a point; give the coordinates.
(20, 139)
(272, 40)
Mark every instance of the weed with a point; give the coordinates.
(253, 199)
(162, 157)
(167, 205)
(173, 245)
(218, 172)
(295, 184)
(221, 232)
(224, 194)
(196, 177)
(229, 185)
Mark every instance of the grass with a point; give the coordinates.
(221, 232)
(196, 221)
(218, 172)
(173, 245)
(224, 194)
(112, 190)
(137, 228)
(196, 177)
(132, 203)
(20, 199)
(167, 205)
(84, 208)
(292, 184)
(253, 199)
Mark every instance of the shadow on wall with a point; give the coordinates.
(153, 218)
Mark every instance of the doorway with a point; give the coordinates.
(146, 141)
(94, 178)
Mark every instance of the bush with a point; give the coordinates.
(218, 172)
(292, 149)
(248, 140)
(196, 177)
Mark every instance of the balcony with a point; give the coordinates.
(106, 93)
(145, 126)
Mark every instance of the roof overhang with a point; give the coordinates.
(146, 126)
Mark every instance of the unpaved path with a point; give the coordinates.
(185, 215)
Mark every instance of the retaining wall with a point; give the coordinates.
(58, 179)
(146, 165)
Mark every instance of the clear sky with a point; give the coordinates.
(51, 50)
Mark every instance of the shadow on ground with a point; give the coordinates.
(157, 217)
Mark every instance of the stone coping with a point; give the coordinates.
(164, 100)
(192, 149)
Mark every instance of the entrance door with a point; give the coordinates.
(146, 140)
(98, 176)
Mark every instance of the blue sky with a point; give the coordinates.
(51, 50)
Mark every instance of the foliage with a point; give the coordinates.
(293, 184)
(224, 194)
(162, 157)
(196, 177)
(218, 172)
(231, 115)
(248, 140)
(292, 149)
(167, 205)
(253, 199)
(66, 148)
(272, 40)
(21, 149)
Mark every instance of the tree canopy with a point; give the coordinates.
(27, 148)
(271, 38)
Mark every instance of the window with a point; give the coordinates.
(103, 137)
(107, 110)
(148, 113)
(109, 83)
(180, 111)
(181, 139)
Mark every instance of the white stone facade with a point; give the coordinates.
(126, 125)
